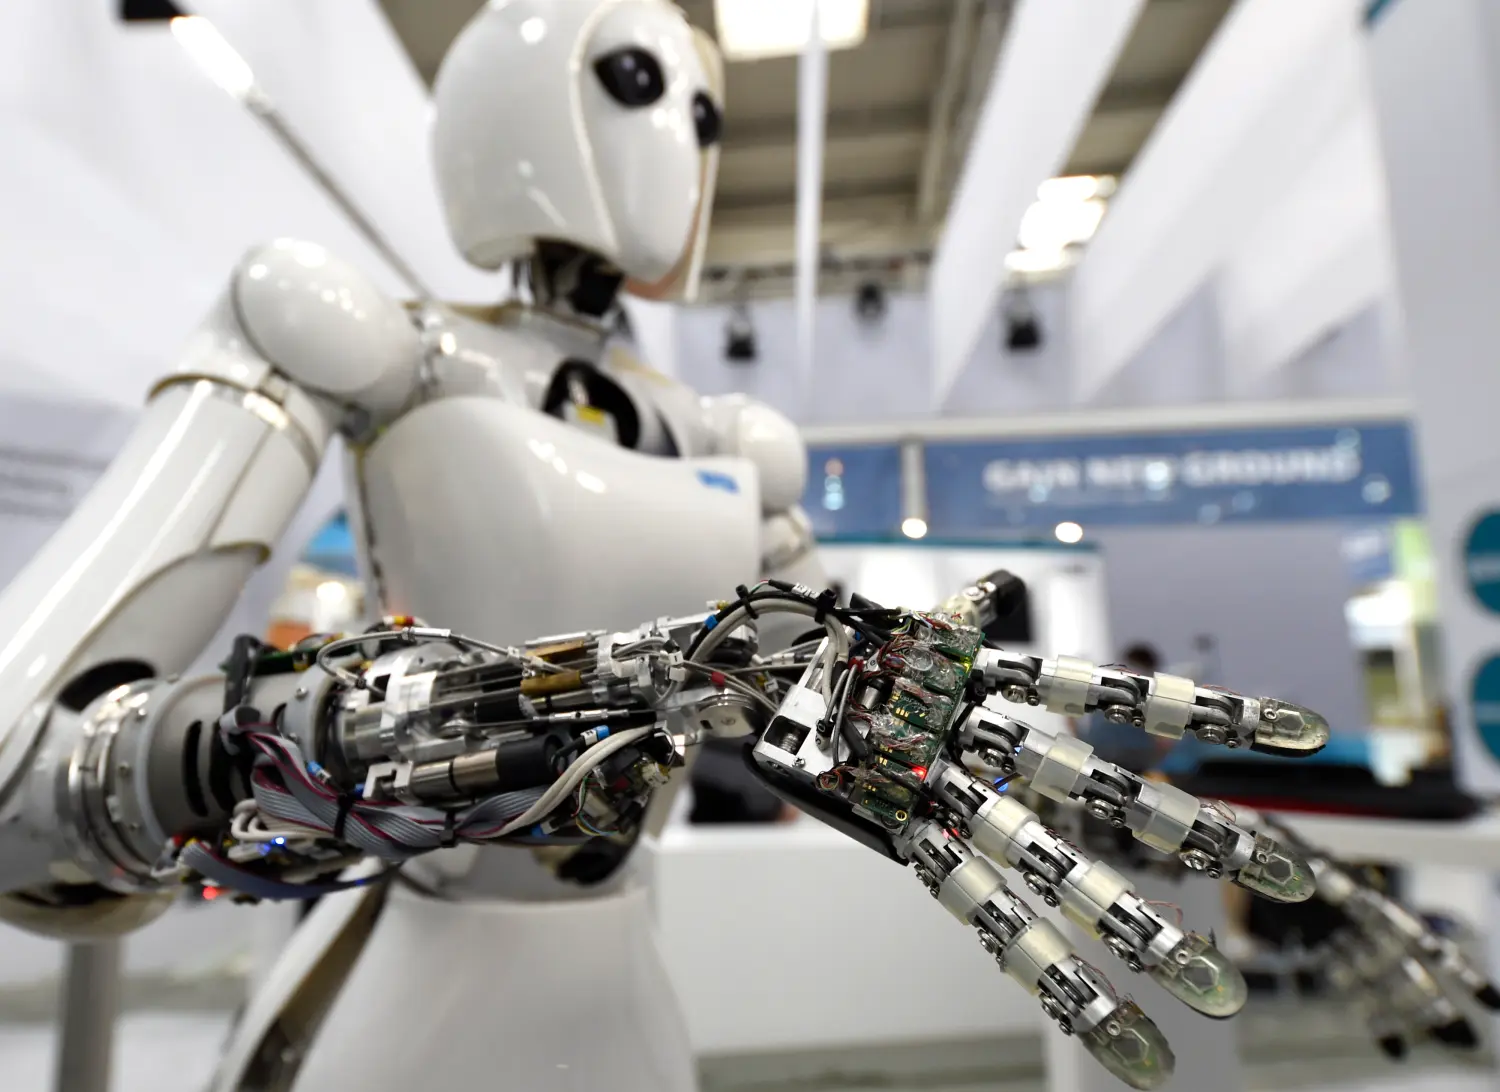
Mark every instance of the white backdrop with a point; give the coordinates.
(130, 183)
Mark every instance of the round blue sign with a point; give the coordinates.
(1485, 695)
(1482, 560)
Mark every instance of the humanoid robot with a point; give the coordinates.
(505, 481)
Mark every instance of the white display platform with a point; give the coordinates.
(793, 936)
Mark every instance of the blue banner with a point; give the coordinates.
(988, 489)
(854, 490)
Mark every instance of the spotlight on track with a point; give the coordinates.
(148, 11)
(869, 302)
(1023, 327)
(739, 336)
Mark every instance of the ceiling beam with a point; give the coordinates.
(843, 124)
(786, 196)
(851, 230)
(959, 45)
(885, 15)
(915, 121)
(1120, 96)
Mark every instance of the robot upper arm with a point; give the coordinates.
(141, 575)
(756, 432)
(324, 326)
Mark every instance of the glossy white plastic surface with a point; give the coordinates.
(753, 430)
(152, 560)
(325, 324)
(508, 524)
(547, 997)
(528, 145)
(281, 982)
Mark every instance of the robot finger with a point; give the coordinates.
(1205, 836)
(1031, 950)
(1378, 915)
(1405, 998)
(1163, 705)
(1092, 895)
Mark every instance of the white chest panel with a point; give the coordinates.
(496, 520)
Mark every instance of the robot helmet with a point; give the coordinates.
(588, 122)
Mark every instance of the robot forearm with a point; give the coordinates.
(386, 745)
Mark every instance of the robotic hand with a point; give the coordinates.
(883, 733)
(270, 780)
(1409, 980)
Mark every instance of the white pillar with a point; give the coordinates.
(812, 116)
(1437, 92)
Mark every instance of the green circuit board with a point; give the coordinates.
(921, 675)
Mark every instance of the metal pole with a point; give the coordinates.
(86, 1022)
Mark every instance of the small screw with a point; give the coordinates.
(123, 768)
(799, 762)
(142, 713)
(300, 693)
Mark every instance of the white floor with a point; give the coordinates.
(176, 1052)
(154, 1052)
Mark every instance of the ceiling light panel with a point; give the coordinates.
(754, 29)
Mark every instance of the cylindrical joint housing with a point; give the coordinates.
(1055, 763)
(1064, 685)
(970, 886)
(1088, 893)
(1169, 705)
(1036, 947)
(996, 826)
(1161, 816)
(514, 764)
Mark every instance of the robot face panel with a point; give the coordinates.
(592, 122)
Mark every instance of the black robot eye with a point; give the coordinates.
(631, 76)
(707, 120)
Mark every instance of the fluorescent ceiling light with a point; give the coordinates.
(1039, 261)
(752, 29)
(1051, 225)
(1078, 187)
(210, 52)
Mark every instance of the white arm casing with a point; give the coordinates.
(138, 580)
(753, 430)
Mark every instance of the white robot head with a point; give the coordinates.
(590, 122)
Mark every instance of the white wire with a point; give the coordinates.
(738, 685)
(249, 826)
(581, 767)
(838, 645)
(413, 634)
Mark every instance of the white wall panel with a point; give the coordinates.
(131, 183)
(1275, 85)
(1056, 57)
(1317, 256)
